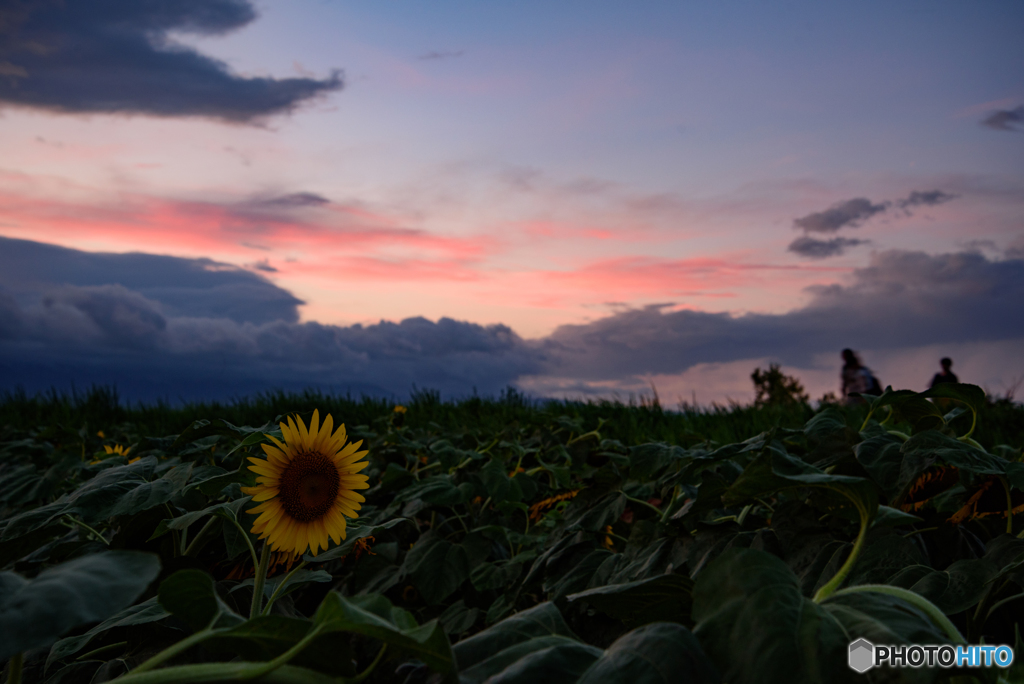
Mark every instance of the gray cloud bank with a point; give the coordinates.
(115, 56)
(127, 320)
(852, 214)
(1004, 119)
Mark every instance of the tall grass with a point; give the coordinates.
(631, 422)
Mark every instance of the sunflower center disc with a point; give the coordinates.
(309, 486)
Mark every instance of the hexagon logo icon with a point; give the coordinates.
(862, 655)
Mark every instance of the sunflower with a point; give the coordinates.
(306, 486)
(117, 450)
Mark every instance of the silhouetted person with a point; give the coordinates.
(856, 377)
(946, 375)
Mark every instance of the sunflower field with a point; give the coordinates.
(310, 539)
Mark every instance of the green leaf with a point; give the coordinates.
(35, 613)
(439, 490)
(182, 522)
(436, 567)
(488, 576)
(96, 499)
(926, 448)
(665, 598)
(149, 610)
(893, 517)
(885, 552)
(266, 637)
(647, 459)
(774, 470)
(457, 618)
(971, 395)
(543, 620)
(191, 597)
(545, 660)
(576, 576)
(154, 493)
(659, 653)
(959, 586)
(757, 627)
(374, 616)
(882, 457)
(293, 580)
(495, 480)
(883, 619)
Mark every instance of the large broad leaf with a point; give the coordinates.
(959, 586)
(267, 637)
(35, 613)
(883, 619)
(96, 499)
(665, 598)
(647, 459)
(757, 626)
(155, 493)
(774, 469)
(191, 597)
(226, 509)
(926, 448)
(882, 457)
(292, 581)
(439, 490)
(970, 395)
(659, 653)
(547, 660)
(577, 576)
(543, 620)
(437, 567)
(149, 610)
(374, 616)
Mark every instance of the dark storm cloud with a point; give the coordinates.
(848, 214)
(115, 56)
(198, 288)
(167, 327)
(852, 213)
(924, 199)
(296, 199)
(88, 332)
(903, 299)
(811, 248)
(1004, 119)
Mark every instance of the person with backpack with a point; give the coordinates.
(856, 377)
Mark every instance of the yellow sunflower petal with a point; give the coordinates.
(325, 433)
(314, 426)
(283, 448)
(351, 496)
(303, 432)
(269, 493)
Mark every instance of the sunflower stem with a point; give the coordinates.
(259, 581)
(833, 584)
(93, 532)
(215, 672)
(202, 538)
(369, 668)
(14, 668)
(173, 650)
(245, 536)
(280, 587)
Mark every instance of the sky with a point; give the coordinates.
(207, 198)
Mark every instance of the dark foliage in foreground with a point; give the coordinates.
(512, 541)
